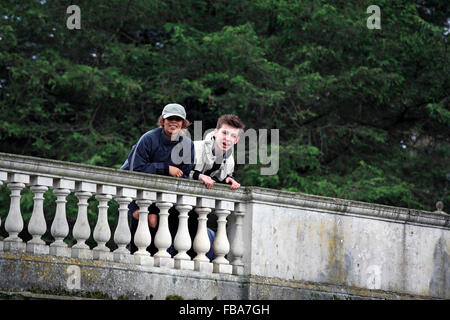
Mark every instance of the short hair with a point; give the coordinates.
(231, 120)
(186, 123)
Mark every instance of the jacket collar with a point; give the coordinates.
(167, 141)
(210, 146)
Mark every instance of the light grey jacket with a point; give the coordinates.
(204, 160)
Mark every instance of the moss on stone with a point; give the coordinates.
(174, 297)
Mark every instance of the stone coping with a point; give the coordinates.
(116, 177)
(348, 207)
(96, 174)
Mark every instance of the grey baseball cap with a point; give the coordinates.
(174, 109)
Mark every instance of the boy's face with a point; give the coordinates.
(226, 137)
(172, 126)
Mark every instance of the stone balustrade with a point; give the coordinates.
(269, 244)
(122, 187)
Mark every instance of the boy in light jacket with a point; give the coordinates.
(214, 160)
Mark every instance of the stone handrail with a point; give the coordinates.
(90, 173)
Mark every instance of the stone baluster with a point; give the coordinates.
(182, 241)
(237, 245)
(3, 177)
(37, 225)
(14, 221)
(201, 240)
(82, 230)
(60, 227)
(122, 235)
(163, 238)
(102, 231)
(142, 237)
(221, 246)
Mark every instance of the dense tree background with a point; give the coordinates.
(363, 114)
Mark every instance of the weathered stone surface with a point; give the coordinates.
(163, 262)
(184, 264)
(123, 257)
(37, 248)
(60, 251)
(64, 184)
(238, 270)
(14, 246)
(82, 253)
(205, 267)
(222, 268)
(143, 260)
(22, 272)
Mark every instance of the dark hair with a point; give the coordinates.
(186, 123)
(231, 120)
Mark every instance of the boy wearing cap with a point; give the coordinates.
(153, 154)
(214, 160)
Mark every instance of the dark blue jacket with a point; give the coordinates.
(154, 153)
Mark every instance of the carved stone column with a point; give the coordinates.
(142, 237)
(201, 240)
(60, 227)
(14, 221)
(237, 245)
(163, 238)
(102, 231)
(122, 235)
(182, 241)
(221, 245)
(37, 225)
(81, 229)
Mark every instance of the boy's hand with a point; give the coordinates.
(206, 180)
(175, 172)
(234, 184)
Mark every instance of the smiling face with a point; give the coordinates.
(172, 126)
(226, 137)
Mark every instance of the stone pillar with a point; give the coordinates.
(102, 231)
(221, 245)
(122, 235)
(60, 227)
(163, 238)
(237, 245)
(142, 237)
(14, 221)
(37, 225)
(201, 240)
(182, 241)
(1, 242)
(81, 229)
(3, 177)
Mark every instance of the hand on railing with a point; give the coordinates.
(207, 180)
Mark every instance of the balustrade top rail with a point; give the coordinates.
(117, 177)
(96, 174)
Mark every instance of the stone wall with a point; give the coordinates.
(404, 254)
